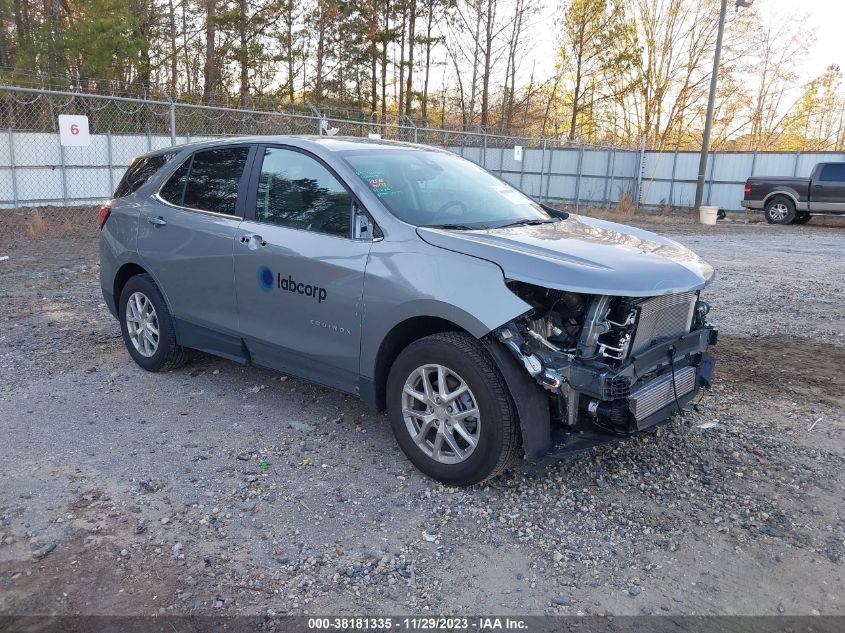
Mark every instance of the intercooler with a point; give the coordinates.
(667, 316)
(659, 393)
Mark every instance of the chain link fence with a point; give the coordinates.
(38, 172)
(50, 189)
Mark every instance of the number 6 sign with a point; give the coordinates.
(73, 130)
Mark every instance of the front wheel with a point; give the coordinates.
(450, 410)
(779, 211)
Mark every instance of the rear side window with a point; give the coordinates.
(139, 172)
(834, 172)
(215, 178)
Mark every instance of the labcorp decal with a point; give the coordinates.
(266, 282)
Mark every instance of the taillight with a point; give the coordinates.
(748, 190)
(105, 211)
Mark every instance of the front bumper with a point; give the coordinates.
(590, 432)
(602, 383)
(611, 405)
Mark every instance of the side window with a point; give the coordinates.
(833, 172)
(214, 179)
(139, 172)
(174, 188)
(296, 191)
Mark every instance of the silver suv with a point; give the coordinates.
(489, 326)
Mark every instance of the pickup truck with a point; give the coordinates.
(788, 200)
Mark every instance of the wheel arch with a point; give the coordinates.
(398, 338)
(122, 276)
(781, 193)
(132, 269)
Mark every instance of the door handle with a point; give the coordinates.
(159, 221)
(253, 241)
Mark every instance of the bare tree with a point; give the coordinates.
(429, 41)
(522, 12)
(210, 74)
(174, 50)
(595, 40)
(779, 49)
(412, 42)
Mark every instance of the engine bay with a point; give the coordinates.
(611, 361)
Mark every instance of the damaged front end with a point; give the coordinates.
(610, 367)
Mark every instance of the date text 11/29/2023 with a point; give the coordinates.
(431, 623)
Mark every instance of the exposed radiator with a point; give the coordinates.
(659, 393)
(667, 316)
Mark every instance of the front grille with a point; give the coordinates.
(668, 316)
(659, 393)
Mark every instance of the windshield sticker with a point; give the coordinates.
(376, 181)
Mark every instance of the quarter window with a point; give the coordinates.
(174, 188)
(297, 191)
(139, 172)
(215, 179)
(834, 172)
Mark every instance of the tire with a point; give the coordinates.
(152, 353)
(493, 427)
(802, 219)
(779, 210)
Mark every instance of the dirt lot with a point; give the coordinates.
(129, 492)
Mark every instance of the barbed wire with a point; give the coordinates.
(272, 103)
(34, 109)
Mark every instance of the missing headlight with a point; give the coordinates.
(556, 315)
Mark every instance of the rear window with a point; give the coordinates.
(834, 172)
(215, 179)
(139, 172)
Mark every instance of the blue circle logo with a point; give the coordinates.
(265, 278)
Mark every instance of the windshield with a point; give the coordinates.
(435, 189)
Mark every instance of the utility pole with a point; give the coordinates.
(714, 79)
(708, 121)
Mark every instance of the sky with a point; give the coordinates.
(826, 16)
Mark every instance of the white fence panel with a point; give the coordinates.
(36, 170)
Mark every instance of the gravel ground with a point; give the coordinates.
(129, 492)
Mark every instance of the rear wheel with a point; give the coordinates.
(147, 326)
(450, 410)
(779, 211)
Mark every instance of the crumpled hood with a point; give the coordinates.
(583, 254)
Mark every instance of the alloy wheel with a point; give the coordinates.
(441, 414)
(142, 324)
(778, 211)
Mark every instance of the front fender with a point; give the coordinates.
(411, 279)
